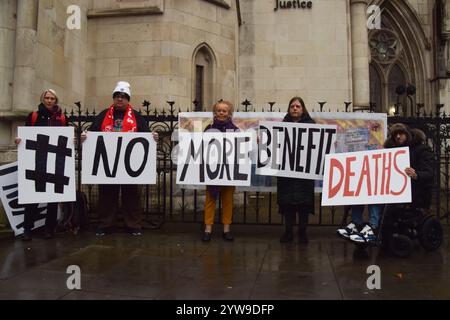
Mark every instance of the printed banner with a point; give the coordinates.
(355, 132)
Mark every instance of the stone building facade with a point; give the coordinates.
(205, 50)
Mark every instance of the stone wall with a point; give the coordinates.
(154, 52)
(295, 52)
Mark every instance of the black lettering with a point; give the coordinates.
(289, 149)
(100, 151)
(40, 176)
(225, 164)
(212, 174)
(193, 154)
(331, 133)
(264, 146)
(311, 146)
(237, 156)
(300, 147)
(275, 147)
(128, 152)
(319, 157)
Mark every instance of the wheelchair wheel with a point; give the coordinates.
(431, 234)
(401, 246)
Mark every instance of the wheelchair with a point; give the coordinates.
(402, 226)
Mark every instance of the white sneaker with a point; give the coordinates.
(365, 235)
(347, 231)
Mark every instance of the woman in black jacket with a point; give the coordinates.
(49, 114)
(295, 195)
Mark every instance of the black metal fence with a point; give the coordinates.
(167, 201)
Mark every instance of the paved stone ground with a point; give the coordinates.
(173, 263)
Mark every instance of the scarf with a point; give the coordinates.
(128, 123)
(222, 126)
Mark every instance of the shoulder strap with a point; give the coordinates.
(34, 117)
(63, 120)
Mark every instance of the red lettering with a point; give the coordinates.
(386, 173)
(349, 173)
(334, 163)
(365, 172)
(376, 157)
(405, 177)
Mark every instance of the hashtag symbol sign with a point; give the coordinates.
(40, 175)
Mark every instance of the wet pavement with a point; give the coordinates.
(173, 263)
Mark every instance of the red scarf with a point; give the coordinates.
(128, 123)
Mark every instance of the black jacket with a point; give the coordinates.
(296, 191)
(43, 118)
(421, 160)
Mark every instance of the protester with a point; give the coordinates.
(120, 117)
(222, 122)
(48, 114)
(295, 195)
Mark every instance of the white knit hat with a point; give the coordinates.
(123, 86)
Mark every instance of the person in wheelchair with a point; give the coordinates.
(364, 233)
(405, 222)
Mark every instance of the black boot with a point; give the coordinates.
(287, 237)
(289, 220)
(302, 237)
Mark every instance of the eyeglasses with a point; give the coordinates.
(120, 95)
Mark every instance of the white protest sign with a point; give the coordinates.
(46, 161)
(9, 197)
(294, 150)
(214, 158)
(119, 158)
(366, 177)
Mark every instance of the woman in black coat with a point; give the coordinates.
(295, 195)
(48, 114)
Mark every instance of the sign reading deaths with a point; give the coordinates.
(295, 150)
(366, 177)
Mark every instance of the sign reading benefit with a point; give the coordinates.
(294, 150)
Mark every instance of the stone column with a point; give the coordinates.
(24, 70)
(7, 46)
(360, 53)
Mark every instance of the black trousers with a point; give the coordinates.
(289, 212)
(32, 214)
(108, 205)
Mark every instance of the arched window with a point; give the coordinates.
(203, 77)
(397, 79)
(397, 59)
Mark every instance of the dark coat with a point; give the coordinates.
(296, 191)
(43, 118)
(421, 160)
